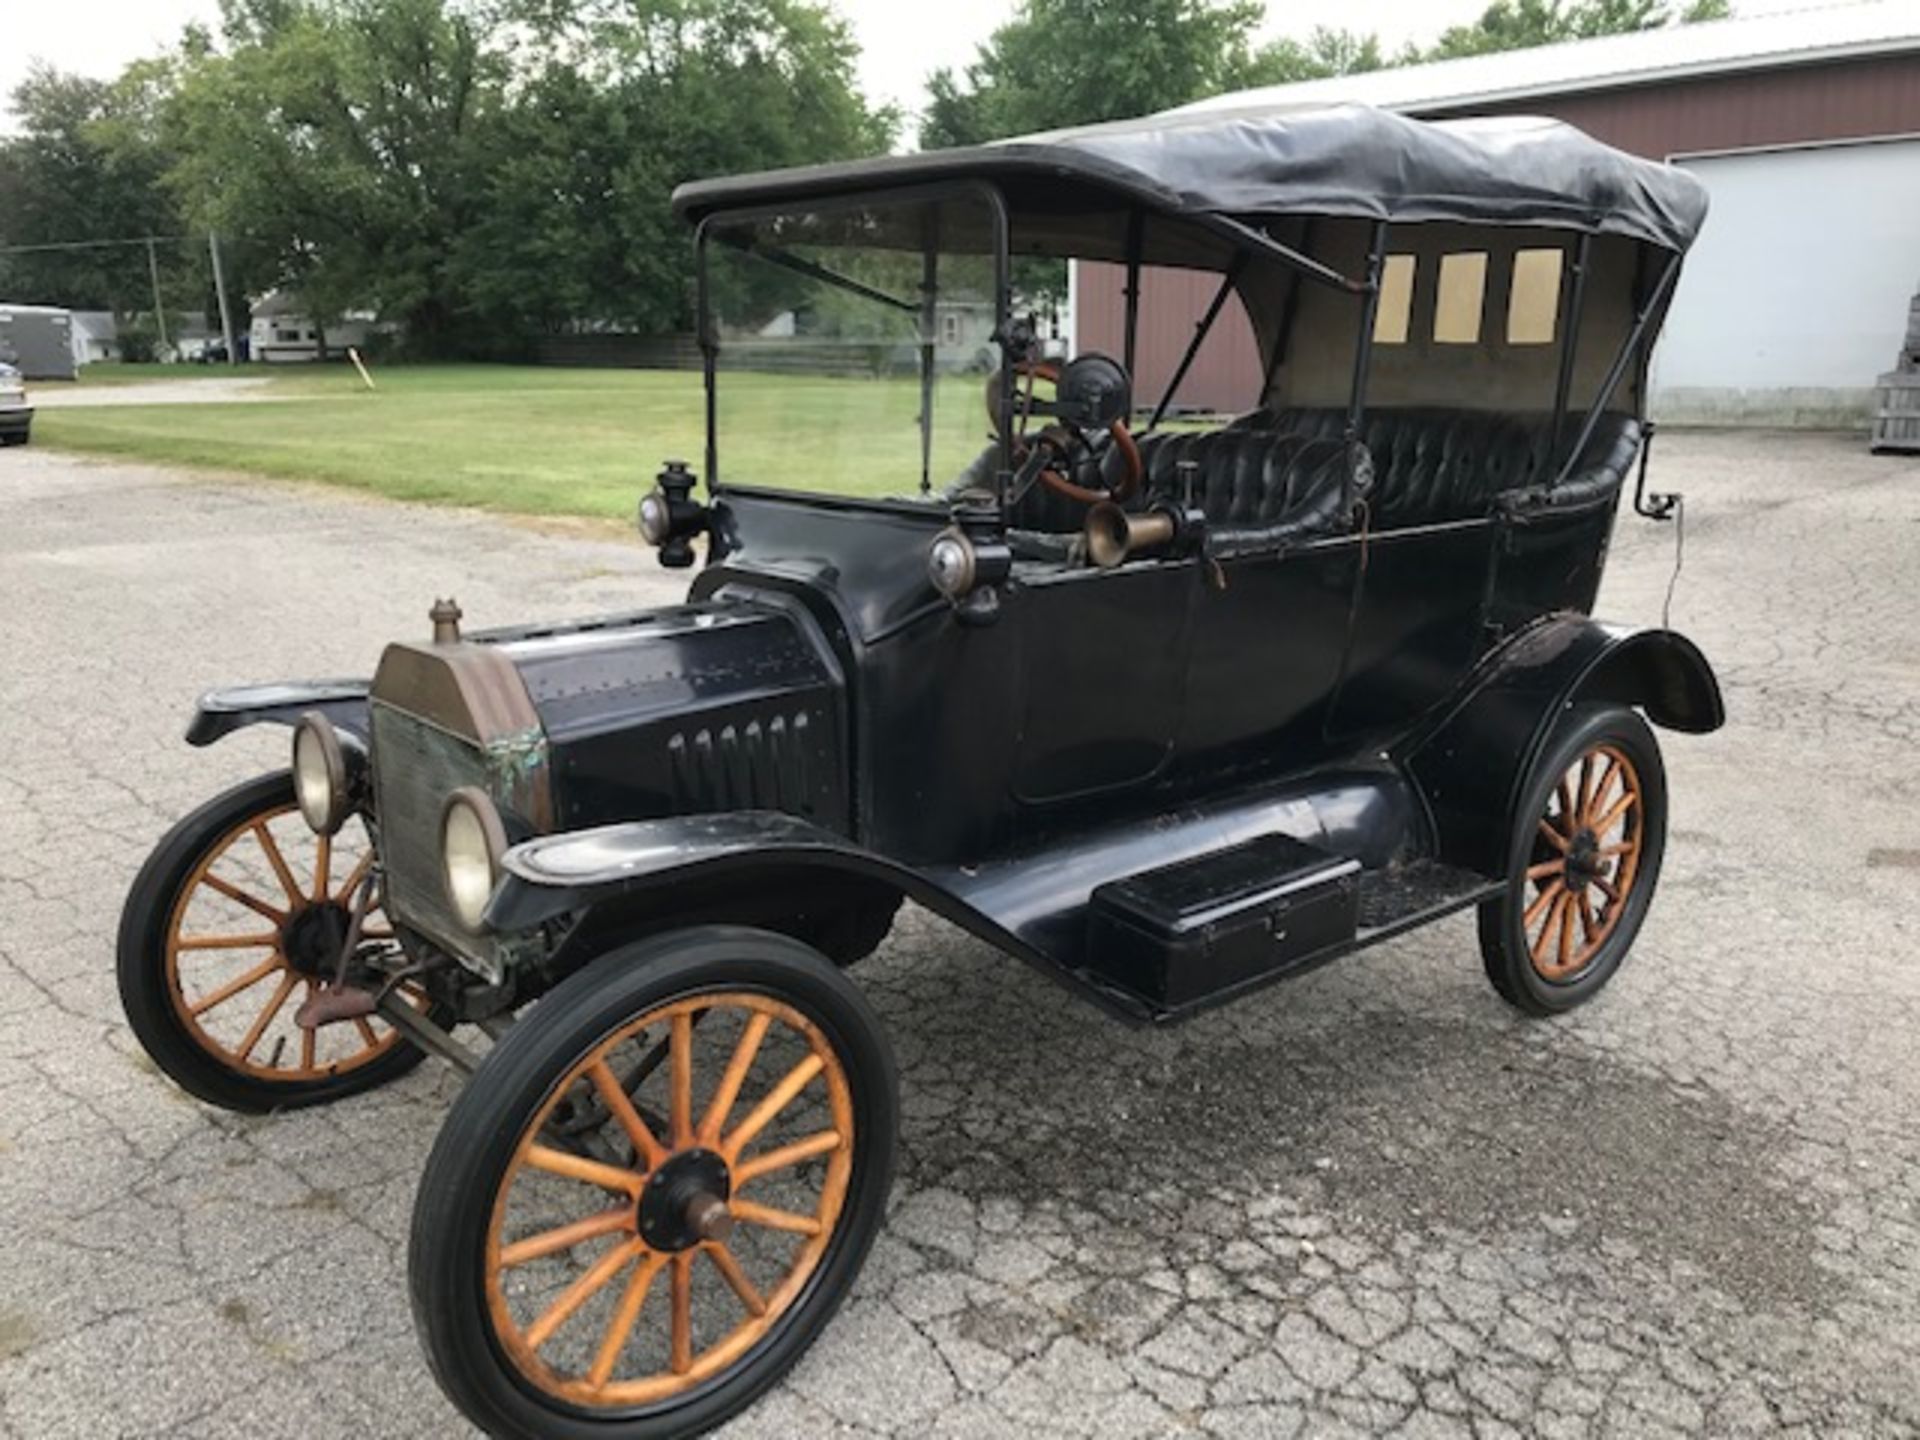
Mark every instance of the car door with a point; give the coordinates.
(1102, 657)
(1419, 623)
(1267, 640)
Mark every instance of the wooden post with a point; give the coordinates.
(159, 310)
(220, 292)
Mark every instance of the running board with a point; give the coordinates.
(1171, 943)
(1406, 896)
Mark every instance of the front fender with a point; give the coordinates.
(1471, 765)
(220, 712)
(555, 875)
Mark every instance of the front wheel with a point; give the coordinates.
(236, 918)
(655, 1191)
(1582, 864)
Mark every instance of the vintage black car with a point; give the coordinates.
(1166, 708)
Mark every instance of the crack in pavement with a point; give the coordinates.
(1369, 1201)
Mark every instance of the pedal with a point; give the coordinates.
(327, 1006)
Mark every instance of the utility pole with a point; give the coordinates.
(159, 310)
(220, 289)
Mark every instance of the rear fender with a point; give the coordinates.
(220, 712)
(1471, 764)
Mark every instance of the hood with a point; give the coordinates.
(732, 704)
(725, 706)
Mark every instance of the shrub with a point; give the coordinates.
(139, 342)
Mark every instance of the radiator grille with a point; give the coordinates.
(415, 767)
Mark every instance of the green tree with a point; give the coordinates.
(573, 179)
(88, 164)
(485, 170)
(1075, 62)
(1522, 24)
(1324, 53)
(335, 134)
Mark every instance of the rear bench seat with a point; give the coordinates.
(1436, 465)
(1274, 478)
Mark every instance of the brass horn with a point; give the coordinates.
(1112, 534)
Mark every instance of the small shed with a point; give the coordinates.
(96, 336)
(38, 339)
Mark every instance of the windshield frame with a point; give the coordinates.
(969, 189)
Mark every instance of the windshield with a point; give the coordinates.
(852, 346)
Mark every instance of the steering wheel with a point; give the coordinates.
(1088, 415)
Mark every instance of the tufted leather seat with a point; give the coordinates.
(1428, 465)
(1247, 478)
(1276, 476)
(1437, 465)
(1260, 488)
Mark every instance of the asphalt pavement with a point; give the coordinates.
(1371, 1200)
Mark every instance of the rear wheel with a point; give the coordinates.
(1583, 862)
(237, 918)
(655, 1191)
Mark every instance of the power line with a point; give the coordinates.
(96, 244)
(151, 244)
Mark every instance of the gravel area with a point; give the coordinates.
(204, 391)
(1371, 1200)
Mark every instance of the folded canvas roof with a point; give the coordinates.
(1342, 160)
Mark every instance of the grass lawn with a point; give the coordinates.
(531, 440)
(114, 372)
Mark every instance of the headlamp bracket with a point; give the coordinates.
(670, 517)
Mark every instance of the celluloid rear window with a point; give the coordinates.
(1394, 319)
(1463, 289)
(1533, 301)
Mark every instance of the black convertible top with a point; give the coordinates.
(1349, 160)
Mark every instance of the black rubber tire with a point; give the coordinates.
(141, 963)
(1503, 943)
(453, 1208)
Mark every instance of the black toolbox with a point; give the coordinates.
(1185, 931)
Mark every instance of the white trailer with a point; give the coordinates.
(38, 339)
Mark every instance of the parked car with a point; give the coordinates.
(16, 415)
(1167, 714)
(214, 352)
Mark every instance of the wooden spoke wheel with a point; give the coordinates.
(655, 1190)
(236, 920)
(1585, 857)
(1588, 856)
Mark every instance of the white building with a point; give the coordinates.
(284, 333)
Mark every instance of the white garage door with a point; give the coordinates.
(1796, 295)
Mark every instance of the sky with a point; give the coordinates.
(900, 40)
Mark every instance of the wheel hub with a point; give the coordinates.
(685, 1202)
(313, 937)
(1583, 859)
